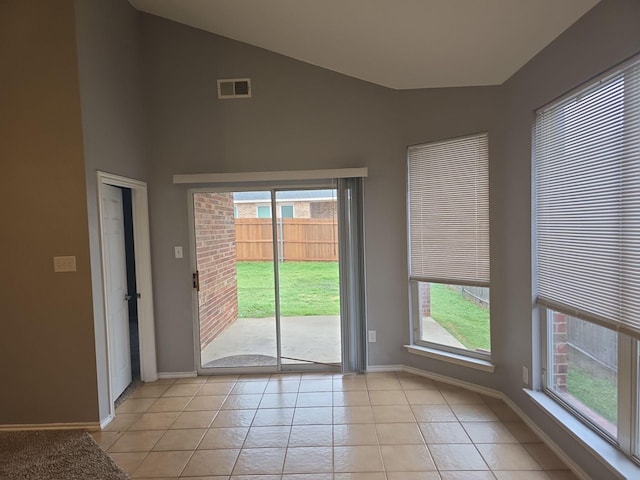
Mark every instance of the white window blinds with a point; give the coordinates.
(587, 184)
(448, 202)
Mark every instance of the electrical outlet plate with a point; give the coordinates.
(64, 264)
(525, 375)
(372, 336)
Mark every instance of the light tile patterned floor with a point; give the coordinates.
(378, 426)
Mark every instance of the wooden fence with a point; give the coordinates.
(299, 239)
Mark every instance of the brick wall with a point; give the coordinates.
(300, 209)
(326, 209)
(560, 358)
(250, 210)
(247, 210)
(425, 299)
(216, 259)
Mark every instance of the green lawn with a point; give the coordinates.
(463, 319)
(306, 288)
(312, 288)
(599, 394)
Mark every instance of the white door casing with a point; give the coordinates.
(116, 287)
(142, 253)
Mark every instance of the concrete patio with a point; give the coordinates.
(251, 342)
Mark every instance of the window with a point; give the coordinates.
(587, 248)
(264, 211)
(286, 211)
(448, 210)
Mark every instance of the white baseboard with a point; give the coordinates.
(177, 374)
(490, 392)
(89, 426)
(107, 421)
(385, 368)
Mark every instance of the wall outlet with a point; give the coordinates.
(372, 336)
(525, 375)
(64, 264)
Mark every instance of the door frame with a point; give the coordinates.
(142, 254)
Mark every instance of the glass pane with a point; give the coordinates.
(286, 211)
(309, 279)
(236, 301)
(455, 316)
(264, 211)
(584, 368)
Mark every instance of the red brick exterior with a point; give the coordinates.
(425, 299)
(216, 259)
(560, 359)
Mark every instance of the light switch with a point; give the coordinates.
(64, 264)
(178, 251)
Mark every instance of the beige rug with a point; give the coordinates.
(55, 455)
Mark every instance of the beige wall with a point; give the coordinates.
(47, 349)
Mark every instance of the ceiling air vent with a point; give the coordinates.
(234, 88)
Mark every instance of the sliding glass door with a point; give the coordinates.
(267, 279)
(234, 281)
(308, 277)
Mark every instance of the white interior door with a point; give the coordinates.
(116, 288)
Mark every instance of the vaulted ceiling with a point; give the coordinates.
(400, 44)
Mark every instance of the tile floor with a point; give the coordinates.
(378, 426)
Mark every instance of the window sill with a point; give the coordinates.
(613, 458)
(454, 358)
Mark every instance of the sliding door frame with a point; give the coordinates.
(351, 277)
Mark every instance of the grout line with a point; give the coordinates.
(333, 406)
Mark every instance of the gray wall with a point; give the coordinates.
(300, 117)
(153, 118)
(303, 117)
(605, 36)
(433, 114)
(113, 125)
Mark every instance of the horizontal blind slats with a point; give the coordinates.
(587, 184)
(448, 204)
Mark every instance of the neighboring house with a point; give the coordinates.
(291, 204)
(98, 86)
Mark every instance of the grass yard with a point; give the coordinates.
(463, 319)
(306, 288)
(313, 288)
(597, 393)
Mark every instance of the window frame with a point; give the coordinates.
(627, 440)
(415, 314)
(628, 431)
